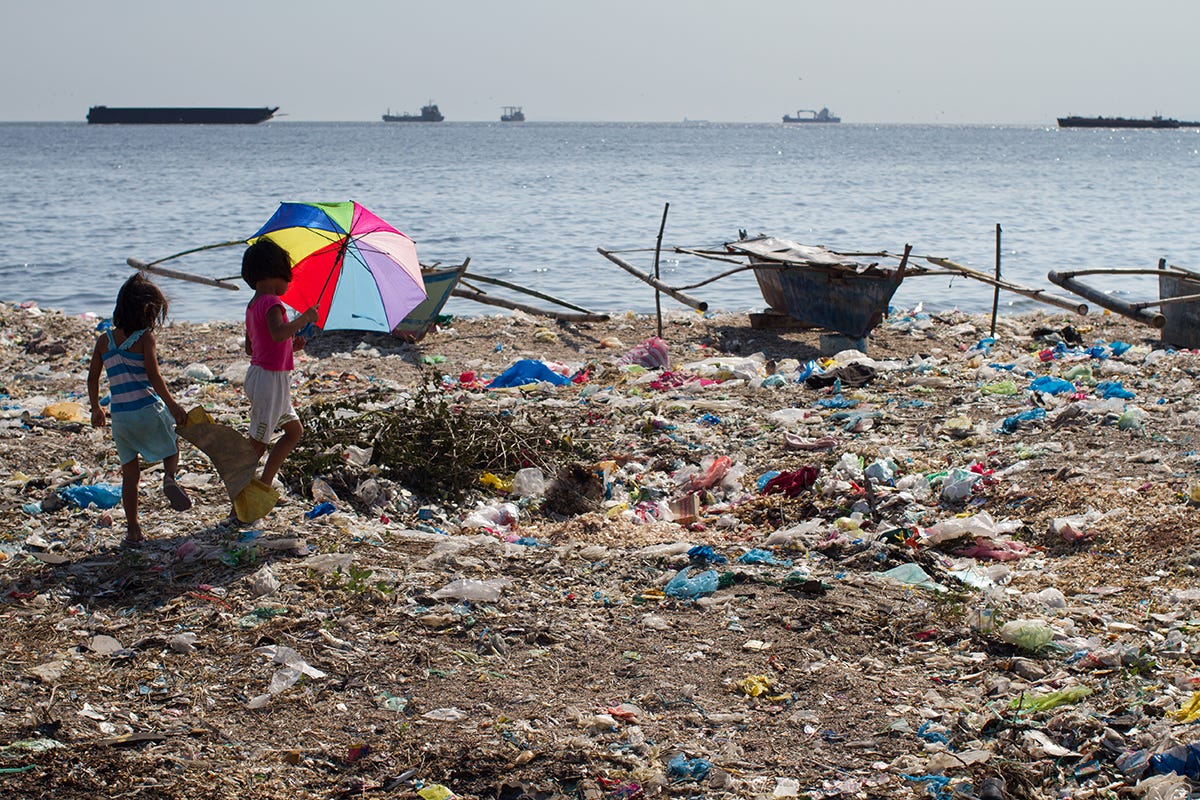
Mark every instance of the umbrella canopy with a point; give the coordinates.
(359, 271)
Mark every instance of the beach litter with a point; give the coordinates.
(708, 574)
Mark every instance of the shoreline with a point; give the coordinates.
(568, 663)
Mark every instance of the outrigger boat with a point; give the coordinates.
(1178, 303)
(810, 286)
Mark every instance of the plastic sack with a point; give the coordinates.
(525, 372)
(100, 495)
(686, 587)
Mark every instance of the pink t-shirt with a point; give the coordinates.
(265, 352)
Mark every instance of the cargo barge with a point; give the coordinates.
(104, 115)
(1124, 122)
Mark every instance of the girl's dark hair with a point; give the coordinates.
(140, 304)
(265, 259)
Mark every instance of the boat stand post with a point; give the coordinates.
(657, 250)
(996, 289)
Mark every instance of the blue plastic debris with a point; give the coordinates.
(1011, 424)
(704, 554)
(100, 495)
(685, 587)
(1051, 385)
(759, 556)
(683, 768)
(320, 510)
(525, 372)
(1111, 389)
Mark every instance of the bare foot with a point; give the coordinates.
(133, 537)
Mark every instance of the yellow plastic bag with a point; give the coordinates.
(66, 411)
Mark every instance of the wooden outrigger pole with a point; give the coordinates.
(670, 291)
(1136, 311)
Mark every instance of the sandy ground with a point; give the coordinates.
(422, 640)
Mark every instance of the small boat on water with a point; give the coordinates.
(512, 114)
(1124, 122)
(105, 115)
(813, 116)
(429, 113)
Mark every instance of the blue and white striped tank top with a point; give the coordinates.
(127, 381)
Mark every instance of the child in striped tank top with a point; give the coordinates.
(143, 413)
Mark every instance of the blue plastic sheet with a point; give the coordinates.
(100, 495)
(525, 372)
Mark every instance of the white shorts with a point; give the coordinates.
(270, 395)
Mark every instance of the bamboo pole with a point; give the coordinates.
(670, 291)
(996, 289)
(657, 251)
(1033, 294)
(1068, 281)
(499, 302)
(531, 292)
(178, 274)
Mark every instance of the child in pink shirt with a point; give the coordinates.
(267, 269)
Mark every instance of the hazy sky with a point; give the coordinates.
(943, 61)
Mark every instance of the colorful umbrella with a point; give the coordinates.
(360, 272)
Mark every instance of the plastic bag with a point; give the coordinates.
(1027, 634)
(525, 372)
(100, 495)
(476, 591)
(682, 586)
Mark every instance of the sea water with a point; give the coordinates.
(530, 203)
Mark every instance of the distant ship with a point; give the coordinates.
(103, 115)
(512, 114)
(817, 116)
(429, 113)
(1123, 122)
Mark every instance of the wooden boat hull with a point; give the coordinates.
(851, 304)
(439, 283)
